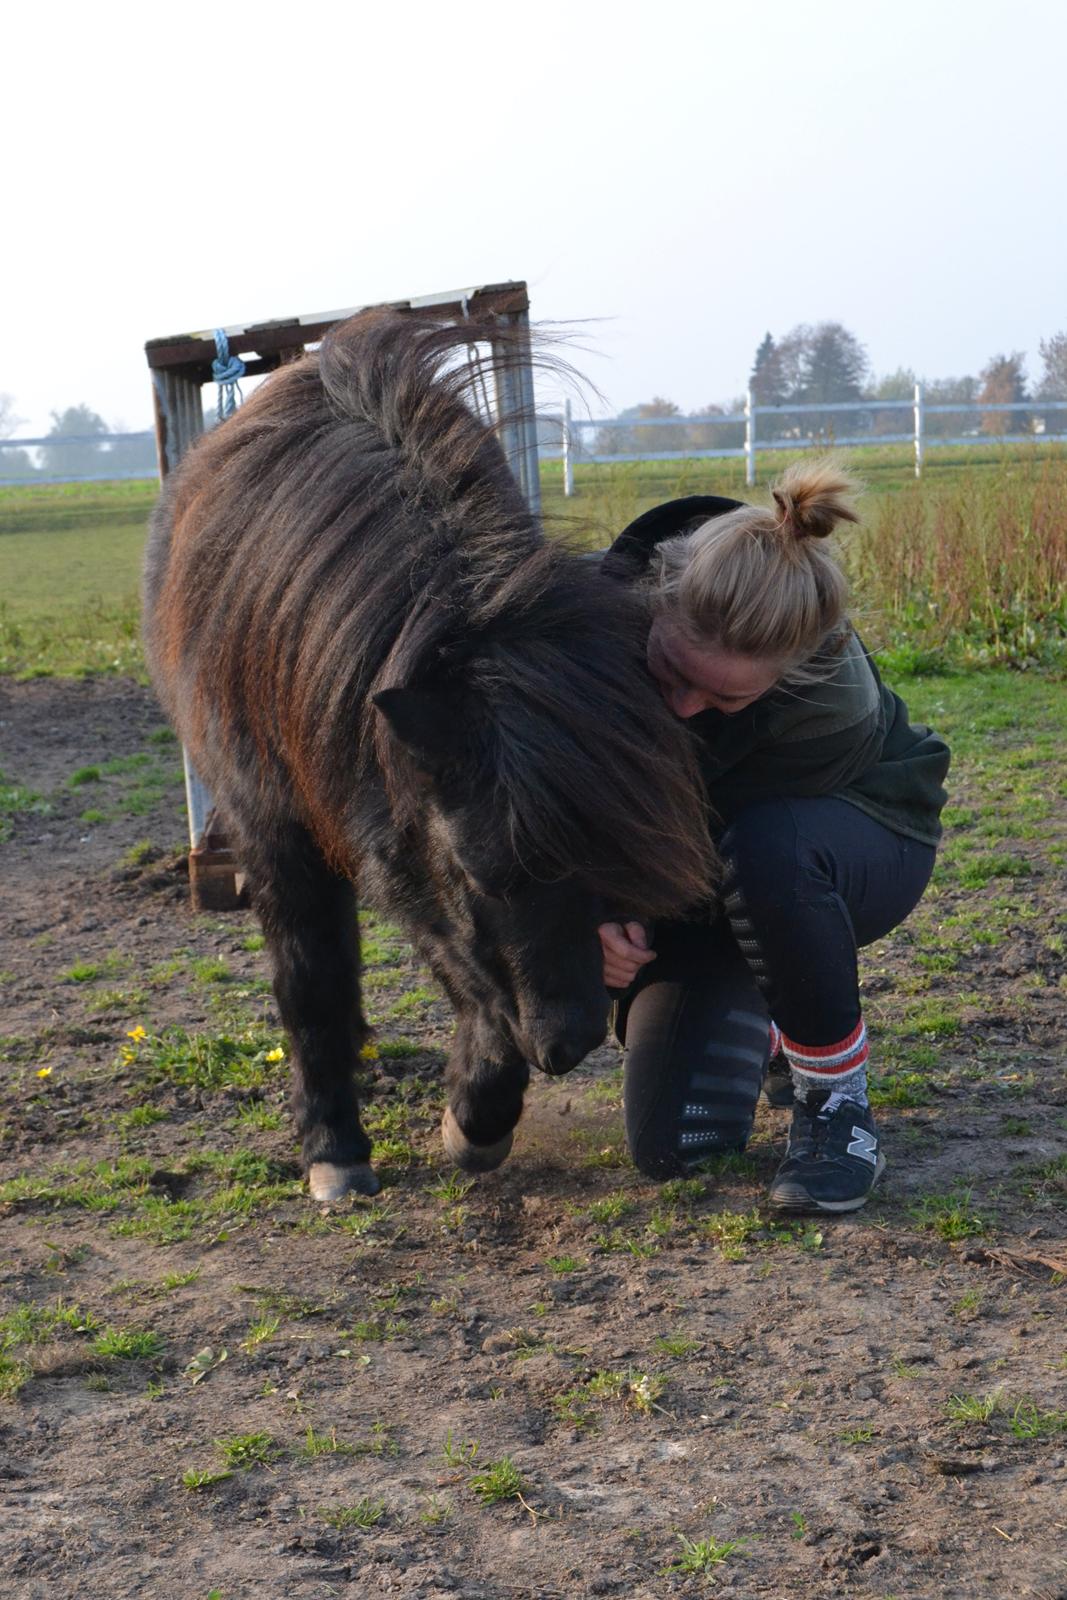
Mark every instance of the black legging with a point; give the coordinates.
(807, 882)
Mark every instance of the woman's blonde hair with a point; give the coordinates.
(759, 581)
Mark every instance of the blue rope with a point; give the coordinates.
(226, 369)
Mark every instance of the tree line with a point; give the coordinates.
(825, 363)
(96, 451)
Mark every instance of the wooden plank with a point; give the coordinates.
(265, 339)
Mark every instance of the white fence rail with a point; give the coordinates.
(574, 429)
(78, 458)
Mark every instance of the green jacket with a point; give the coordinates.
(847, 736)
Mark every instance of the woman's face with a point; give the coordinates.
(695, 678)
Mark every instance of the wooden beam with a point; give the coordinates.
(265, 339)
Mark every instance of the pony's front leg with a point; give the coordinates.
(308, 914)
(486, 1078)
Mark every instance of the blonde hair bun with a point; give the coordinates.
(813, 497)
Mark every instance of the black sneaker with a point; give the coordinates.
(778, 1081)
(833, 1160)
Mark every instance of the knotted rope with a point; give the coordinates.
(226, 369)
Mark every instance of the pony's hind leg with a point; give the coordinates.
(308, 914)
(487, 1078)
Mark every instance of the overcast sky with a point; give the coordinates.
(687, 174)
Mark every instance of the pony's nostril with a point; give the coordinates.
(558, 1059)
(564, 1052)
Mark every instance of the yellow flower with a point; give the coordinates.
(369, 1052)
(277, 1054)
(136, 1034)
(44, 1072)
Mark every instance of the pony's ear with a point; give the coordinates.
(424, 722)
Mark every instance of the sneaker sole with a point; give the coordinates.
(807, 1203)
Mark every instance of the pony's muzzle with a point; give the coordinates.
(562, 1050)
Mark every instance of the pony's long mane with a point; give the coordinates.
(356, 527)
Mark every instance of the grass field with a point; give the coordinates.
(560, 1379)
(968, 567)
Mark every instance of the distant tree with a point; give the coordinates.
(1053, 382)
(13, 463)
(1003, 382)
(8, 420)
(712, 435)
(82, 460)
(947, 392)
(637, 440)
(836, 365)
(767, 379)
(810, 364)
(898, 385)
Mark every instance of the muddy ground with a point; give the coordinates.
(210, 1387)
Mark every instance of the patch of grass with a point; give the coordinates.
(18, 801)
(452, 1189)
(732, 1231)
(901, 1089)
(437, 1511)
(972, 1407)
(140, 1117)
(1029, 1422)
(497, 1481)
(703, 1555)
(33, 1324)
(637, 1391)
(676, 1345)
(366, 1513)
(253, 942)
(262, 1329)
(561, 1265)
(209, 1061)
(255, 1115)
(951, 1216)
(83, 775)
(459, 1452)
(128, 1344)
(14, 1375)
(140, 852)
(242, 1451)
(610, 1209)
(197, 1479)
(210, 969)
(324, 1444)
(81, 972)
(178, 1280)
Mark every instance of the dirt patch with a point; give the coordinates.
(561, 1380)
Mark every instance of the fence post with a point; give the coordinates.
(568, 459)
(750, 439)
(918, 430)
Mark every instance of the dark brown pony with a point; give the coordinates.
(391, 682)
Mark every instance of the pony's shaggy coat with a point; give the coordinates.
(387, 676)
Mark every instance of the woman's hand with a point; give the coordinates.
(626, 951)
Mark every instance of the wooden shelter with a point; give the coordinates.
(181, 365)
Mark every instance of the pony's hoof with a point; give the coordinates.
(472, 1157)
(328, 1182)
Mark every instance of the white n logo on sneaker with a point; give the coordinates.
(865, 1145)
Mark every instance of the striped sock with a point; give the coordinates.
(840, 1068)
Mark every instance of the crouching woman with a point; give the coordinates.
(827, 803)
